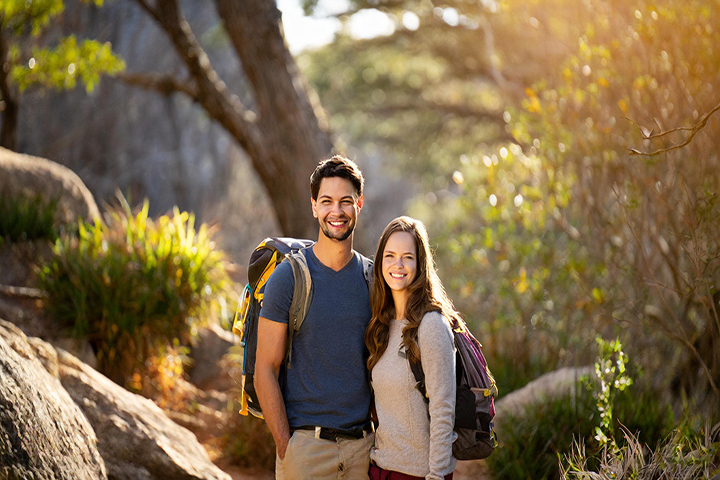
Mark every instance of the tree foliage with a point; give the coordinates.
(25, 64)
(563, 232)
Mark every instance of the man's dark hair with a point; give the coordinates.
(337, 166)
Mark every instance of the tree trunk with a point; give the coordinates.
(8, 135)
(293, 129)
(285, 136)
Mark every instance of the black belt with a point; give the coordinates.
(333, 433)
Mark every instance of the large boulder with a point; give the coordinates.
(135, 437)
(24, 175)
(43, 433)
(549, 385)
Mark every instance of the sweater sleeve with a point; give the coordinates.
(437, 351)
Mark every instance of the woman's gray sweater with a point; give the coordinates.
(408, 440)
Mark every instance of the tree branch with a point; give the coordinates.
(210, 92)
(165, 84)
(21, 292)
(441, 108)
(694, 130)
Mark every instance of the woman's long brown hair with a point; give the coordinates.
(425, 294)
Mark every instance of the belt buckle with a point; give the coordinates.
(318, 430)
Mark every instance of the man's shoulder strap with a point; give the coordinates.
(367, 270)
(302, 296)
(303, 289)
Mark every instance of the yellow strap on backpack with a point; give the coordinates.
(243, 399)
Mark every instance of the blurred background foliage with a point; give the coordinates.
(519, 119)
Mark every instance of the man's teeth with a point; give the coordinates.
(337, 224)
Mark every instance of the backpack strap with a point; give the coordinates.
(368, 271)
(302, 295)
(419, 375)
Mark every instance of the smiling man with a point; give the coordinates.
(318, 410)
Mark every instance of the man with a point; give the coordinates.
(319, 417)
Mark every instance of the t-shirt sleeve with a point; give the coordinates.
(437, 349)
(278, 294)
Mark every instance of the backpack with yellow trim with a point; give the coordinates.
(263, 261)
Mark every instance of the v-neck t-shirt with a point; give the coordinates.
(326, 384)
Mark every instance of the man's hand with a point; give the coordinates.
(282, 448)
(272, 338)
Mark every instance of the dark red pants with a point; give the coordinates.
(377, 473)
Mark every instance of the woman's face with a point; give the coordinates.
(399, 261)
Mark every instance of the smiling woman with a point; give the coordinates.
(411, 311)
(399, 266)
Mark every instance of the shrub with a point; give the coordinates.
(530, 443)
(27, 218)
(132, 285)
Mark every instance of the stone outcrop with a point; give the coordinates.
(24, 175)
(43, 433)
(135, 437)
(212, 344)
(549, 385)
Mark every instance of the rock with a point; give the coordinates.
(46, 354)
(77, 347)
(212, 345)
(549, 385)
(24, 175)
(136, 439)
(43, 434)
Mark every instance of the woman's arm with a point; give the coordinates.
(437, 350)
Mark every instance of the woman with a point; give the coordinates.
(411, 321)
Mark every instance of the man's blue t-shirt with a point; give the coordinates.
(326, 384)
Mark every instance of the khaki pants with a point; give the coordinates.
(308, 457)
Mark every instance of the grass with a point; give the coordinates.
(683, 455)
(27, 218)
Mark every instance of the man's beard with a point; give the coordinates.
(339, 236)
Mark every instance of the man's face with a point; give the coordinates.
(337, 208)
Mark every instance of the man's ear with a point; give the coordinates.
(360, 203)
(314, 207)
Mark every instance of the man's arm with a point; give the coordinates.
(272, 338)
